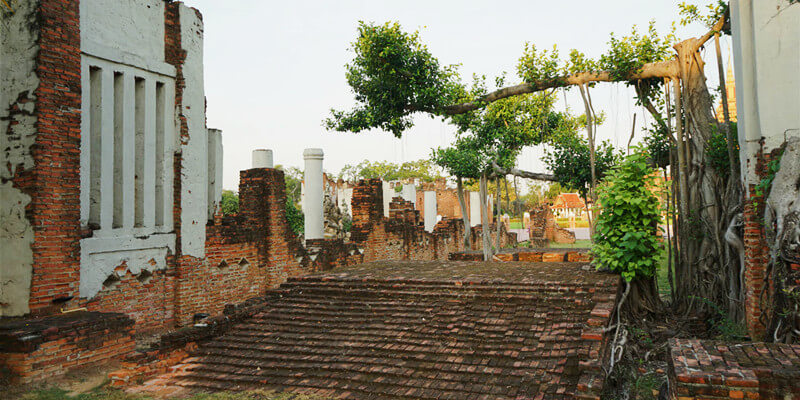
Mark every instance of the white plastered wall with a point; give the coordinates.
(19, 36)
(126, 38)
(194, 170)
(766, 48)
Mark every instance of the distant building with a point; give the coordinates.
(730, 87)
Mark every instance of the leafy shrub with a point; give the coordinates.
(717, 150)
(230, 202)
(626, 239)
(295, 218)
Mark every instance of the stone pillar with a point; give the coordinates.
(312, 202)
(214, 171)
(388, 194)
(474, 208)
(262, 158)
(410, 193)
(526, 220)
(430, 210)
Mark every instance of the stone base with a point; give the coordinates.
(710, 369)
(35, 349)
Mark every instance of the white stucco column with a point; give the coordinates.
(388, 194)
(262, 158)
(430, 210)
(409, 193)
(474, 208)
(312, 202)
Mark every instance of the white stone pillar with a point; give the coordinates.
(214, 171)
(388, 194)
(262, 158)
(312, 202)
(474, 208)
(410, 193)
(430, 210)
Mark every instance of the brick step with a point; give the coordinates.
(487, 330)
(455, 308)
(388, 385)
(506, 357)
(426, 285)
(362, 389)
(341, 365)
(385, 294)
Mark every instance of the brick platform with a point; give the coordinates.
(446, 330)
(710, 369)
(36, 349)
(528, 254)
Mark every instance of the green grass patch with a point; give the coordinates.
(515, 225)
(579, 244)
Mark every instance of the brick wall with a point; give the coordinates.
(34, 350)
(756, 257)
(54, 182)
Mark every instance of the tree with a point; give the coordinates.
(394, 76)
(229, 203)
(570, 160)
(424, 170)
(462, 160)
(627, 237)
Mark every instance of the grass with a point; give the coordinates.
(515, 225)
(579, 244)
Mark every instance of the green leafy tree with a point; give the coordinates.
(569, 159)
(295, 217)
(424, 170)
(627, 237)
(229, 202)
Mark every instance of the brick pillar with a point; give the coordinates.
(54, 181)
(367, 207)
(756, 259)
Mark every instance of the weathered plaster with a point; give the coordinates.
(194, 150)
(766, 47)
(19, 35)
(429, 199)
(127, 31)
(313, 201)
(100, 258)
(214, 172)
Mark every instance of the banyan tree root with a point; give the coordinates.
(782, 223)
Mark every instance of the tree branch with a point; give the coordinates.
(522, 174)
(662, 69)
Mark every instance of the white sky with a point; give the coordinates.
(273, 69)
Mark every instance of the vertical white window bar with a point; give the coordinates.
(139, 154)
(160, 152)
(119, 115)
(95, 145)
(149, 189)
(107, 152)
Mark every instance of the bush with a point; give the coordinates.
(626, 239)
(295, 218)
(229, 202)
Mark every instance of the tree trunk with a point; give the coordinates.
(464, 216)
(487, 241)
(497, 220)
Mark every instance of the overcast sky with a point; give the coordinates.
(274, 69)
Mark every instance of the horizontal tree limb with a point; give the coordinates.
(522, 174)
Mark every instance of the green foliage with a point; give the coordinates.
(658, 145)
(717, 150)
(295, 218)
(293, 178)
(425, 170)
(229, 202)
(764, 185)
(627, 55)
(463, 159)
(536, 66)
(722, 325)
(392, 76)
(691, 13)
(626, 240)
(568, 159)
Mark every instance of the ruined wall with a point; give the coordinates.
(19, 35)
(766, 48)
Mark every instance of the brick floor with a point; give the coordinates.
(528, 255)
(435, 330)
(720, 370)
